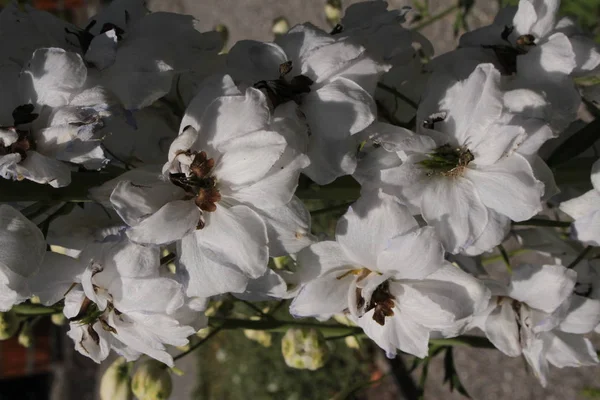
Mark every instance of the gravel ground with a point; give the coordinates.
(486, 374)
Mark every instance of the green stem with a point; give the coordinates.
(200, 343)
(339, 207)
(543, 222)
(76, 191)
(435, 18)
(396, 93)
(580, 257)
(344, 188)
(35, 309)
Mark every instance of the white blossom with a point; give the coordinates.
(389, 275)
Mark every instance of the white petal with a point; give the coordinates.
(86, 345)
(269, 286)
(502, 330)
(103, 50)
(587, 228)
(56, 276)
(535, 355)
(568, 350)
(172, 222)
(582, 206)
(41, 169)
(149, 295)
(339, 109)
(399, 332)
(205, 277)
(135, 201)
(494, 233)
(330, 159)
(324, 296)
(412, 255)
(23, 245)
(428, 302)
(369, 225)
(454, 208)
(536, 17)
(245, 251)
(232, 116)
(583, 316)
(554, 56)
(508, 187)
(323, 258)
(543, 287)
(53, 74)
(246, 159)
(288, 228)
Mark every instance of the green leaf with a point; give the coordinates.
(576, 144)
(450, 374)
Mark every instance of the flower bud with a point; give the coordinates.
(116, 381)
(9, 324)
(58, 319)
(26, 336)
(152, 381)
(333, 12)
(304, 349)
(263, 338)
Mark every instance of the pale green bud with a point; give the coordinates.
(9, 324)
(304, 349)
(26, 337)
(263, 338)
(333, 11)
(280, 26)
(152, 381)
(116, 381)
(58, 319)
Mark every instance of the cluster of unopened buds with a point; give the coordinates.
(147, 174)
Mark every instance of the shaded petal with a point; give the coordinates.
(508, 187)
(543, 287)
(172, 222)
(324, 296)
(41, 169)
(251, 61)
(583, 316)
(582, 206)
(502, 329)
(369, 224)
(568, 350)
(323, 258)
(454, 208)
(587, 228)
(56, 276)
(413, 255)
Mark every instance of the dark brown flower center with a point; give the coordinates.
(199, 184)
(23, 144)
(383, 303)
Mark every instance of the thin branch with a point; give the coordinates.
(543, 222)
(435, 18)
(580, 257)
(396, 93)
(200, 343)
(332, 208)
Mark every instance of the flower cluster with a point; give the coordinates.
(198, 163)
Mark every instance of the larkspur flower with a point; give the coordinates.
(390, 276)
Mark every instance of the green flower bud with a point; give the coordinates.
(152, 381)
(26, 337)
(263, 338)
(304, 349)
(333, 12)
(116, 381)
(9, 324)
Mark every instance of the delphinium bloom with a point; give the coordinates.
(585, 210)
(389, 275)
(57, 120)
(531, 315)
(116, 298)
(331, 79)
(220, 197)
(539, 50)
(464, 175)
(21, 254)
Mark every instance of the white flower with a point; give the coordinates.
(463, 175)
(585, 210)
(390, 275)
(533, 316)
(57, 120)
(22, 251)
(330, 79)
(122, 302)
(231, 175)
(543, 53)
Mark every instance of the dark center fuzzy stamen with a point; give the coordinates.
(383, 303)
(199, 185)
(281, 90)
(447, 160)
